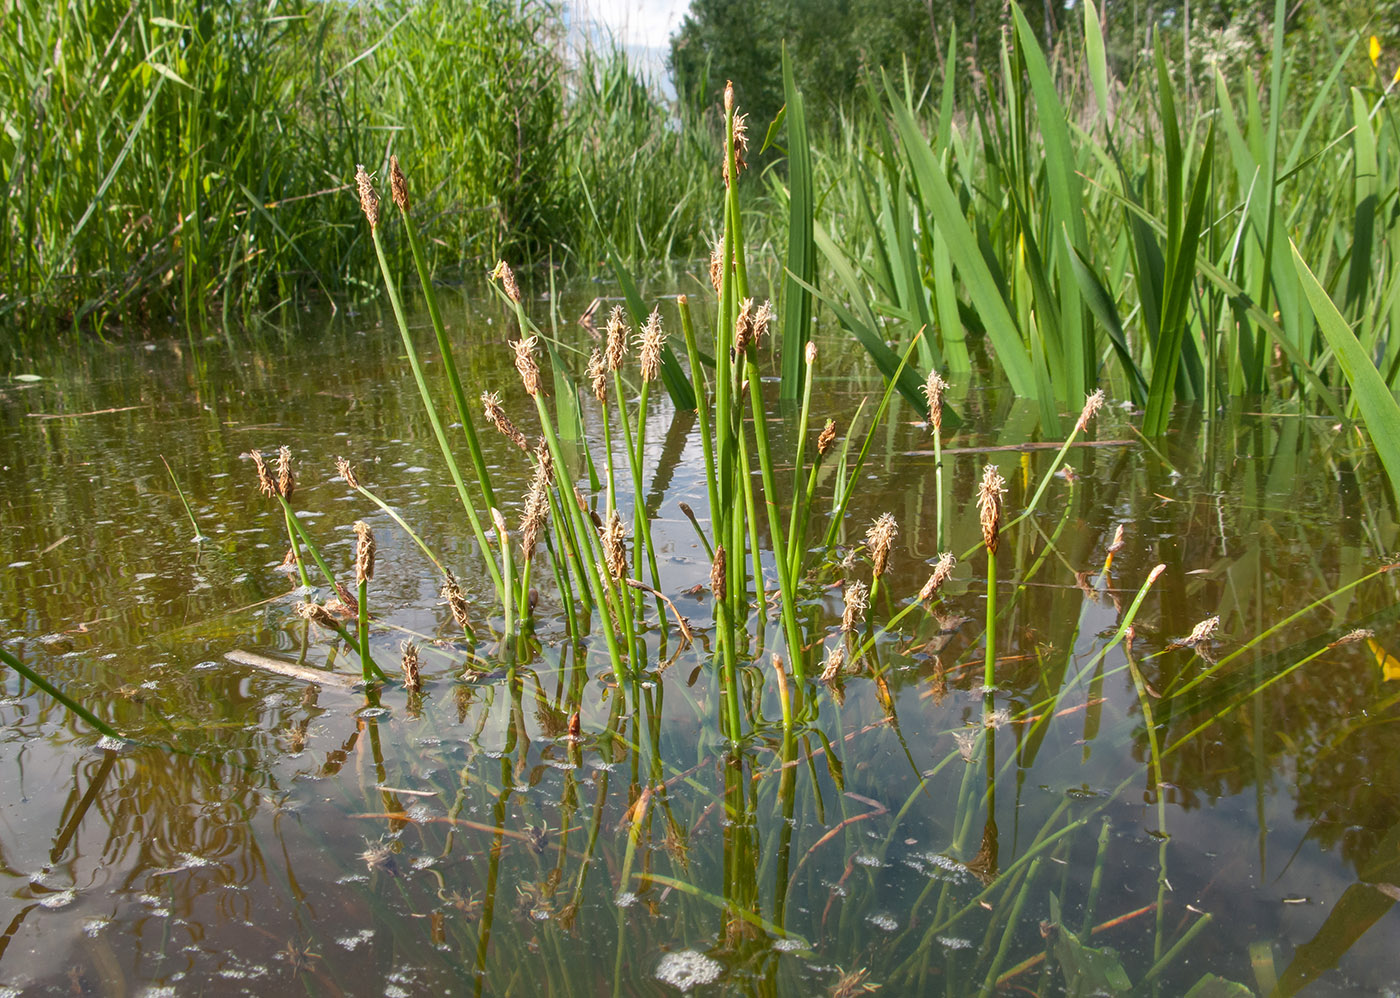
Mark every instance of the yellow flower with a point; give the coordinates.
(1375, 50)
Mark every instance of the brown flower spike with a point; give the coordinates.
(369, 200)
(989, 494)
(880, 539)
(364, 552)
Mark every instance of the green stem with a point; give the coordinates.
(433, 419)
(68, 702)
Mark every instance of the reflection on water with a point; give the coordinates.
(1125, 807)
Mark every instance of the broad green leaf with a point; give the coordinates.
(1379, 410)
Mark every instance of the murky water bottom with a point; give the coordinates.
(1136, 818)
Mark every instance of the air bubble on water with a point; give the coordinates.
(687, 968)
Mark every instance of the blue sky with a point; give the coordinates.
(642, 26)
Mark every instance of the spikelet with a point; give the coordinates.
(364, 552)
(857, 600)
(527, 365)
(496, 416)
(536, 511)
(347, 472)
(1353, 636)
(966, 741)
(502, 272)
(317, 614)
(762, 319)
(598, 375)
(456, 601)
(615, 545)
(265, 483)
(718, 577)
(879, 539)
(1200, 634)
(934, 389)
(286, 481)
(616, 350)
(398, 185)
(989, 494)
(832, 668)
(810, 352)
(941, 571)
(369, 201)
(826, 438)
(743, 326)
(650, 343)
(717, 265)
(412, 681)
(1092, 404)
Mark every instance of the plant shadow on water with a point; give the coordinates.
(1131, 739)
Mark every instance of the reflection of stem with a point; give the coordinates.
(70, 829)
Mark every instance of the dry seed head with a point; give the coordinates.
(317, 614)
(615, 545)
(598, 375)
(941, 571)
(934, 389)
(811, 353)
(966, 741)
(369, 201)
(456, 601)
(496, 416)
(1201, 633)
(1118, 543)
(832, 668)
(718, 578)
(1351, 637)
(398, 185)
(286, 481)
(265, 483)
(857, 600)
(502, 272)
(616, 350)
(717, 265)
(879, 539)
(409, 663)
(743, 326)
(536, 512)
(989, 494)
(527, 364)
(1092, 405)
(826, 438)
(364, 552)
(347, 472)
(649, 352)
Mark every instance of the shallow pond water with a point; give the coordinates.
(1120, 810)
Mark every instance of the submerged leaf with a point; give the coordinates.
(1211, 986)
(1089, 971)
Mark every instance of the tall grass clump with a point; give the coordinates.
(184, 161)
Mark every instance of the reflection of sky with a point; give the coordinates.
(642, 27)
